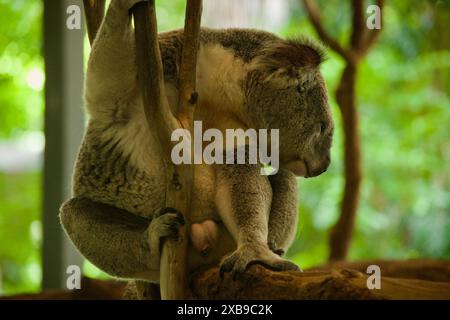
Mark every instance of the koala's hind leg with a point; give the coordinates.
(120, 243)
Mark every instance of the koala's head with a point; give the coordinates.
(284, 90)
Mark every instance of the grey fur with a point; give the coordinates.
(246, 79)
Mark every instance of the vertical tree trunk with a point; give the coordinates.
(361, 40)
(341, 233)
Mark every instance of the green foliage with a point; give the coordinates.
(20, 231)
(404, 106)
(21, 67)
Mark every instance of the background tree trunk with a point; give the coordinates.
(362, 39)
(341, 233)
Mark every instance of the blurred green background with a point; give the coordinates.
(404, 104)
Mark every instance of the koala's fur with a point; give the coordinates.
(245, 79)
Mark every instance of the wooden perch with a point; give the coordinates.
(421, 269)
(410, 279)
(262, 284)
(179, 179)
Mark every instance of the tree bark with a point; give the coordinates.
(419, 269)
(410, 279)
(173, 277)
(179, 179)
(262, 284)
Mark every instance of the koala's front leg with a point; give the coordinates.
(243, 198)
(284, 211)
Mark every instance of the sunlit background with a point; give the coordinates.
(403, 95)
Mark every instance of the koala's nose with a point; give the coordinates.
(323, 166)
(327, 161)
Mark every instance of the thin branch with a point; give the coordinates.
(314, 15)
(162, 124)
(187, 94)
(94, 11)
(173, 268)
(358, 26)
(372, 35)
(173, 277)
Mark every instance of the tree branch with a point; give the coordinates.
(410, 279)
(93, 11)
(187, 74)
(315, 18)
(372, 36)
(173, 269)
(173, 281)
(259, 283)
(358, 26)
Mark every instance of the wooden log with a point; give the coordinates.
(399, 280)
(419, 269)
(262, 284)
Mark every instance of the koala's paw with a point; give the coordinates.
(165, 223)
(248, 254)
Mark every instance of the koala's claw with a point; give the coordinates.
(246, 255)
(279, 252)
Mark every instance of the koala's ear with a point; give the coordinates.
(287, 54)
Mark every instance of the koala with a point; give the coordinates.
(245, 79)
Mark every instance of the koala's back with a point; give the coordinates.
(107, 174)
(118, 162)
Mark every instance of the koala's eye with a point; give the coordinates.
(321, 127)
(300, 89)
